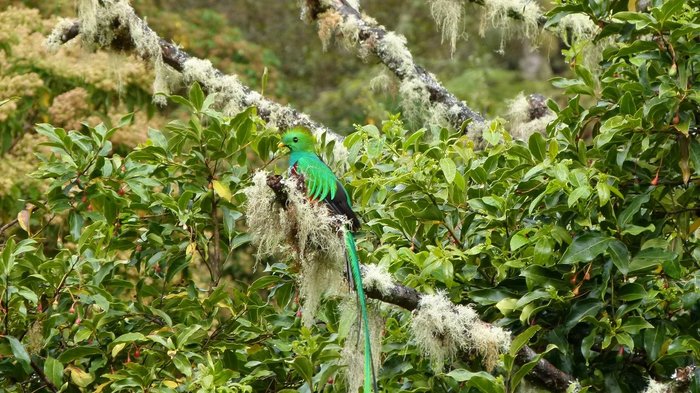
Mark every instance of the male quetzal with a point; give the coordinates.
(322, 185)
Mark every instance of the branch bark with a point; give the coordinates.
(409, 298)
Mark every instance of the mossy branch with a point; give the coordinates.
(410, 299)
(175, 57)
(367, 36)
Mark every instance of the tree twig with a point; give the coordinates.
(8, 225)
(43, 377)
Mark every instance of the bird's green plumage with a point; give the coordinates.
(323, 185)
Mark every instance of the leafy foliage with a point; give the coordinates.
(584, 243)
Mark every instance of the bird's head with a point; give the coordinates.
(298, 139)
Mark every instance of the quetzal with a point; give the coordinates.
(323, 186)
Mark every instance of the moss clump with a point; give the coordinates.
(441, 329)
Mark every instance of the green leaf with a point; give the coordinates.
(82, 334)
(183, 338)
(537, 146)
(543, 251)
(481, 380)
(671, 7)
(620, 255)
(54, 371)
(626, 104)
(538, 277)
(673, 269)
(553, 149)
(603, 193)
(633, 325)
(522, 339)
(117, 348)
(196, 96)
(527, 367)
(585, 75)
(182, 364)
(695, 154)
(585, 248)
(635, 230)
(157, 138)
(633, 208)
(129, 338)
(182, 101)
(80, 377)
(449, 169)
(123, 122)
(586, 307)
(653, 341)
(582, 192)
(72, 354)
(650, 257)
(20, 353)
(640, 20)
(222, 190)
(625, 339)
(631, 292)
(303, 367)
(518, 240)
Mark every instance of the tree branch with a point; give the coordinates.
(369, 37)
(8, 225)
(211, 79)
(409, 299)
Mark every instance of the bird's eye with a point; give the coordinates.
(295, 139)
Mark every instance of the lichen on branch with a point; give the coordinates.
(423, 97)
(113, 25)
(441, 329)
(303, 230)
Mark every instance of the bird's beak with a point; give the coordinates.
(281, 145)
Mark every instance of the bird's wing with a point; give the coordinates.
(320, 180)
(323, 185)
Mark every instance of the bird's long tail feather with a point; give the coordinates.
(353, 261)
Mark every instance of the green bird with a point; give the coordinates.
(322, 185)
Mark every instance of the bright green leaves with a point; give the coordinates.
(537, 146)
(304, 368)
(585, 248)
(20, 353)
(481, 381)
(449, 169)
(650, 257)
(132, 274)
(584, 85)
(53, 369)
(620, 255)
